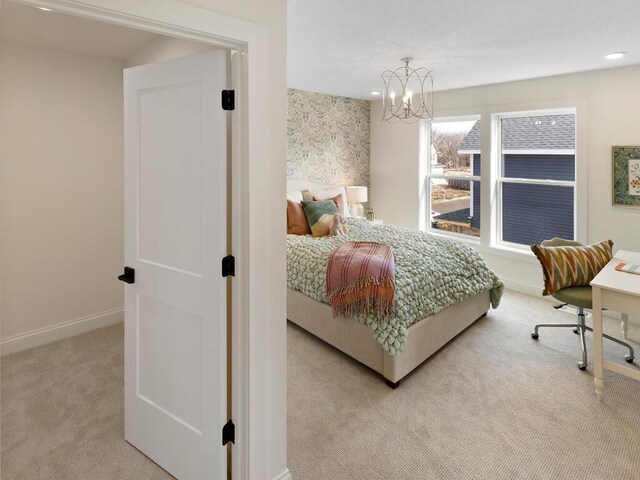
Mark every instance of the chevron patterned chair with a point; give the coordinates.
(580, 298)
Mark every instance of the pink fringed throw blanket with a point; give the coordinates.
(361, 280)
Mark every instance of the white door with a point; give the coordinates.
(175, 239)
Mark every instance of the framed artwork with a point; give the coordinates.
(626, 176)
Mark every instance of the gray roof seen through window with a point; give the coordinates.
(544, 132)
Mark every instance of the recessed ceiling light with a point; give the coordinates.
(614, 55)
(45, 9)
(375, 93)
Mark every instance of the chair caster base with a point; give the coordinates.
(628, 358)
(534, 335)
(582, 366)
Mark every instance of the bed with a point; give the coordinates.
(442, 287)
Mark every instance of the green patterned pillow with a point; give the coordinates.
(320, 216)
(572, 266)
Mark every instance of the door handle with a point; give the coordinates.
(129, 275)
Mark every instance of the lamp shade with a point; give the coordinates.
(356, 194)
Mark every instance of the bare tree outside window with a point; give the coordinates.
(446, 144)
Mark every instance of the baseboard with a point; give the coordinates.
(286, 475)
(46, 335)
(516, 286)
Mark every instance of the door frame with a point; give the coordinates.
(248, 144)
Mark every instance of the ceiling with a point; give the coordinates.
(342, 46)
(25, 24)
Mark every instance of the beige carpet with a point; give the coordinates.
(493, 404)
(62, 413)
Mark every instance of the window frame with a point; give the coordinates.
(498, 179)
(487, 244)
(428, 176)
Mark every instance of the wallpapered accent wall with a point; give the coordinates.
(328, 138)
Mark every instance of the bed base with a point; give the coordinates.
(354, 338)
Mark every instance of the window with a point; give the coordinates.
(536, 174)
(530, 179)
(453, 176)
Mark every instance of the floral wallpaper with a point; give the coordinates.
(328, 138)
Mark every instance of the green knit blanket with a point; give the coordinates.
(432, 273)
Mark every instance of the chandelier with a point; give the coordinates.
(407, 93)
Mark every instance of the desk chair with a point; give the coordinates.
(579, 297)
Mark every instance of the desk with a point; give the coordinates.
(620, 292)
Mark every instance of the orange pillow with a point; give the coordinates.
(338, 200)
(297, 223)
(572, 266)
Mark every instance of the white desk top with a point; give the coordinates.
(610, 279)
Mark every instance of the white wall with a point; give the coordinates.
(61, 191)
(394, 170)
(165, 48)
(610, 98)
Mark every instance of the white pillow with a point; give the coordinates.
(294, 196)
(325, 193)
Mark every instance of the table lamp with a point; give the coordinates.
(355, 197)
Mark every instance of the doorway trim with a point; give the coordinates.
(249, 75)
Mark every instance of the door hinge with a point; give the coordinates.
(228, 99)
(229, 433)
(229, 266)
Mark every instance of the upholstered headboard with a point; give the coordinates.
(316, 189)
(294, 184)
